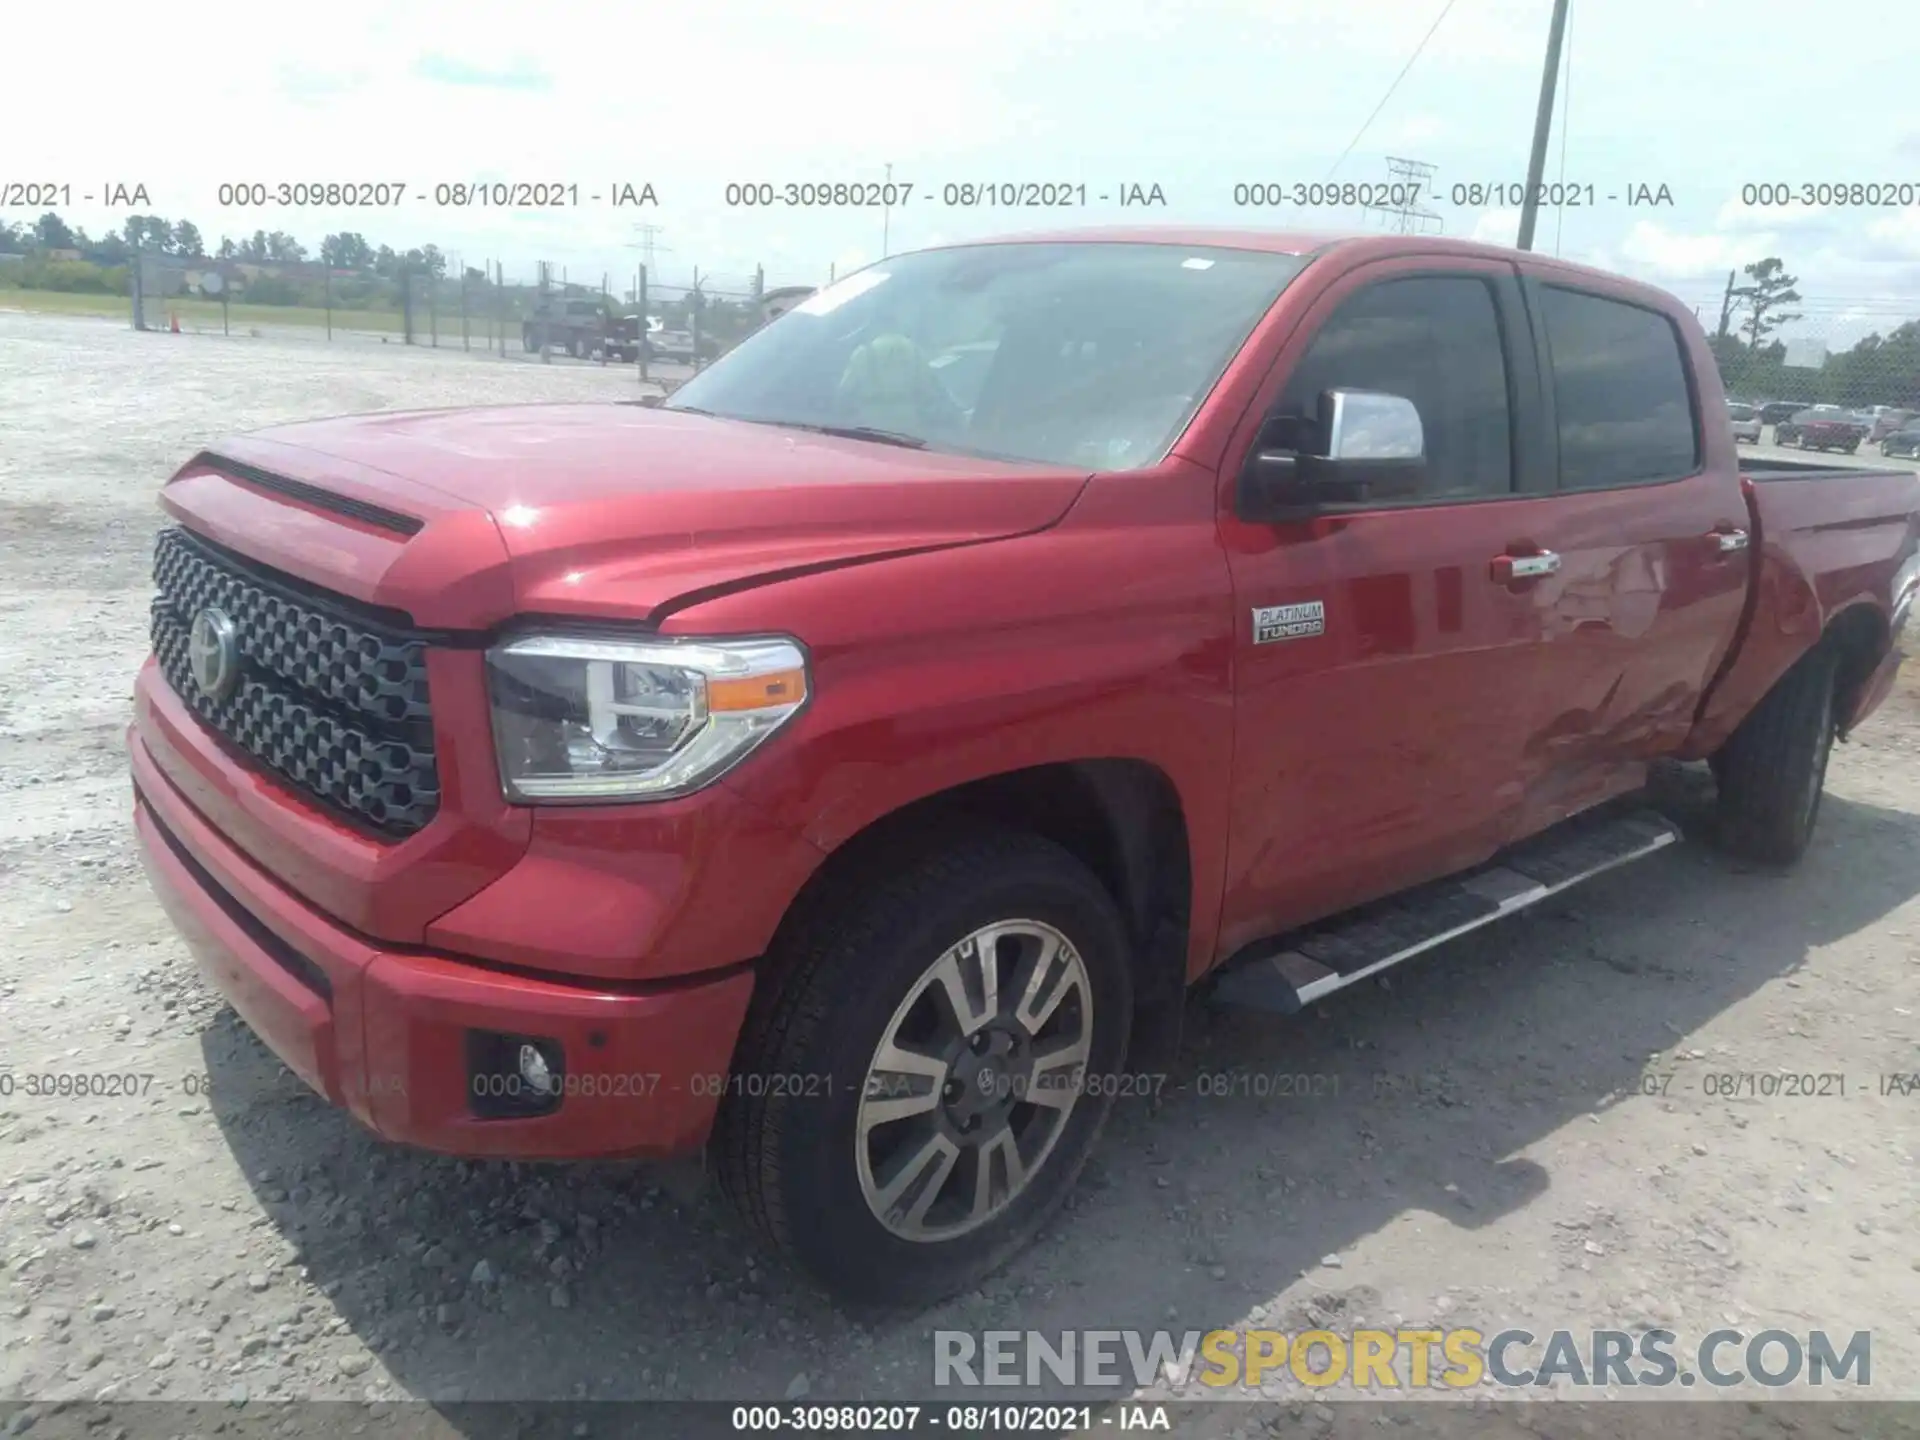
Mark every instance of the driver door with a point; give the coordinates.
(1379, 732)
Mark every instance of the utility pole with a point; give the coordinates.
(647, 247)
(1542, 123)
(886, 213)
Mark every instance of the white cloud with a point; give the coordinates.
(1495, 227)
(1412, 131)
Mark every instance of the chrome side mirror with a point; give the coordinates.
(1370, 425)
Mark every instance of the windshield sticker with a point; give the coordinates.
(1196, 263)
(834, 296)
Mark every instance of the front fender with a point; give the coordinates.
(1108, 637)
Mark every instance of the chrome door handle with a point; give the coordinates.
(1730, 540)
(1525, 567)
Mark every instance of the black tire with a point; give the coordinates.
(786, 1154)
(1853, 448)
(1773, 769)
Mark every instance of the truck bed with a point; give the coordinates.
(1778, 469)
(1830, 545)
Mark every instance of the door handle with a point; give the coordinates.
(1728, 541)
(1508, 568)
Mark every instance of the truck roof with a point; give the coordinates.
(1309, 242)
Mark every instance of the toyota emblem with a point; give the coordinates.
(213, 654)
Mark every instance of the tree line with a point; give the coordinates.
(1758, 302)
(350, 272)
(182, 239)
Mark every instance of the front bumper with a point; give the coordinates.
(384, 1032)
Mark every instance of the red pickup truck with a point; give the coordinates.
(1822, 427)
(848, 766)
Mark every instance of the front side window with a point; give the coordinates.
(1621, 399)
(1088, 354)
(1434, 340)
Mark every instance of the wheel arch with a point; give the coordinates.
(1122, 818)
(1860, 636)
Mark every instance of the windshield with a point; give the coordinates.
(1740, 412)
(1090, 354)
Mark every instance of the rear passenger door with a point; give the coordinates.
(1650, 538)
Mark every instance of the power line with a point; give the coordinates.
(1393, 87)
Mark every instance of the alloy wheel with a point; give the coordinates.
(973, 1081)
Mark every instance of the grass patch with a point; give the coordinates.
(205, 314)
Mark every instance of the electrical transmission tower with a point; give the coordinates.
(1409, 182)
(647, 246)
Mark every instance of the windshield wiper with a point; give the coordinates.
(844, 432)
(858, 432)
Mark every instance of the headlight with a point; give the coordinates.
(586, 719)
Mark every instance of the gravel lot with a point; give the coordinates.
(225, 1234)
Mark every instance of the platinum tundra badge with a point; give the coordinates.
(1288, 622)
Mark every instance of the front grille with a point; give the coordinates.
(329, 697)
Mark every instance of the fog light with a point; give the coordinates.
(513, 1077)
(535, 1071)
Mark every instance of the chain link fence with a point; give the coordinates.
(1856, 360)
(1860, 353)
(1822, 351)
(669, 329)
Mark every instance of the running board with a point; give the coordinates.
(1295, 970)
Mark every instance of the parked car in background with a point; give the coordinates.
(1773, 412)
(1887, 422)
(1746, 422)
(581, 326)
(673, 345)
(1822, 427)
(1905, 441)
(777, 302)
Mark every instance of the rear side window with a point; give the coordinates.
(1434, 340)
(1620, 391)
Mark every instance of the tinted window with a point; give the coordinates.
(1620, 392)
(1434, 341)
(1740, 412)
(1094, 355)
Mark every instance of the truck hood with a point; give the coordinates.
(611, 510)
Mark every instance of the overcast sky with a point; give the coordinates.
(1192, 95)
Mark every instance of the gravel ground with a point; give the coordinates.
(225, 1234)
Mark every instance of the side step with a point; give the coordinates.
(1294, 970)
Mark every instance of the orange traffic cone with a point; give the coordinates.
(175, 327)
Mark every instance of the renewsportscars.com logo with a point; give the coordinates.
(1378, 1361)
